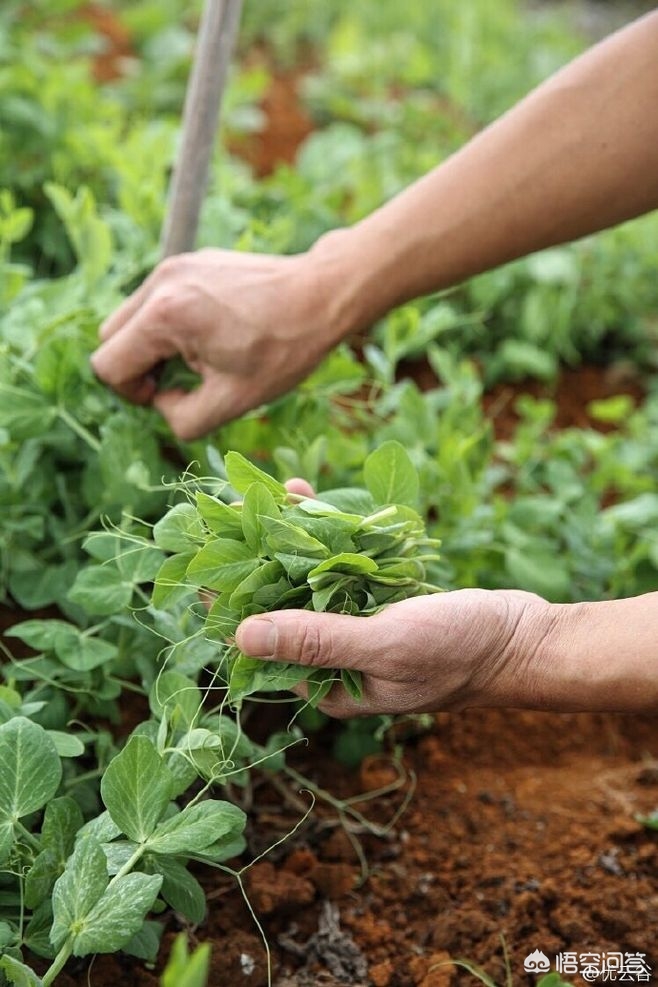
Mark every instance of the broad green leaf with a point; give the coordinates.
(118, 915)
(222, 564)
(139, 563)
(221, 518)
(78, 889)
(101, 589)
(296, 566)
(241, 474)
(6, 839)
(66, 744)
(347, 563)
(101, 828)
(196, 827)
(351, 501)
(43, 635)
(390, 475)
(41, 877)
(322, 598)
(31, 770)
(62, 820)
(85, 652)
(282, 536)
(37, 932)
(250, 675)
(258, 503)
(136, 788)
(265, 575)
(7, 935)
(145, 944)
(180, 530)
(170, 582)
(118, 854)
(180, 889)
(18, 973)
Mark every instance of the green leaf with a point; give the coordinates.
(265, 575)
(282, 536)
(222, 564)
(31, 770)
(74, 648)
(170, 582)
(79, 888)
(85, 653)
(258, 503)
(352, 683)
(18, 973)
(180, 530)
(346, 563)
(390, 475)
(101, 589)
(139, 563)
(37, 933)
(250, 675)
(43, 635)
(66, 744)
(180, 889)
(62, 820)
(145, 944)
(196, 827)
(185, 970)
(221, 518)
(118, 915)
(241, 474)
(41, 877)
(136, 788)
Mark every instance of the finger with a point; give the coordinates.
(320, 640)
(128, 307)
(191, 414)
(125, 360)
(301, 487)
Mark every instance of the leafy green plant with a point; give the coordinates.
(352, 551)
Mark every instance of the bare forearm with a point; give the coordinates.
(587, 656)
(579, 154)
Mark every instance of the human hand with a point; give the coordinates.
(252, 326)
(444, 651)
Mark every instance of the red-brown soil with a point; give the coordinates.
(522, 825)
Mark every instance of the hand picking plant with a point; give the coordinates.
(353, 551)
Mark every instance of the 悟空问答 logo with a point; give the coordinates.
(537, 962)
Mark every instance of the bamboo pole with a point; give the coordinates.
(216, 38)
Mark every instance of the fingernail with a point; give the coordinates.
(257, 637)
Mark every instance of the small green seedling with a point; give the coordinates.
(352, 551)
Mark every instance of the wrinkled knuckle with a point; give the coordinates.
(170, 267)
(313, 648)
(164, 306)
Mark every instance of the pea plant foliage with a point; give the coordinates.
(353, 551)
(87, 868)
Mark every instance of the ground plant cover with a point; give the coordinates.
(169, 813)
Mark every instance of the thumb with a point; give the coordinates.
(318, 640)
